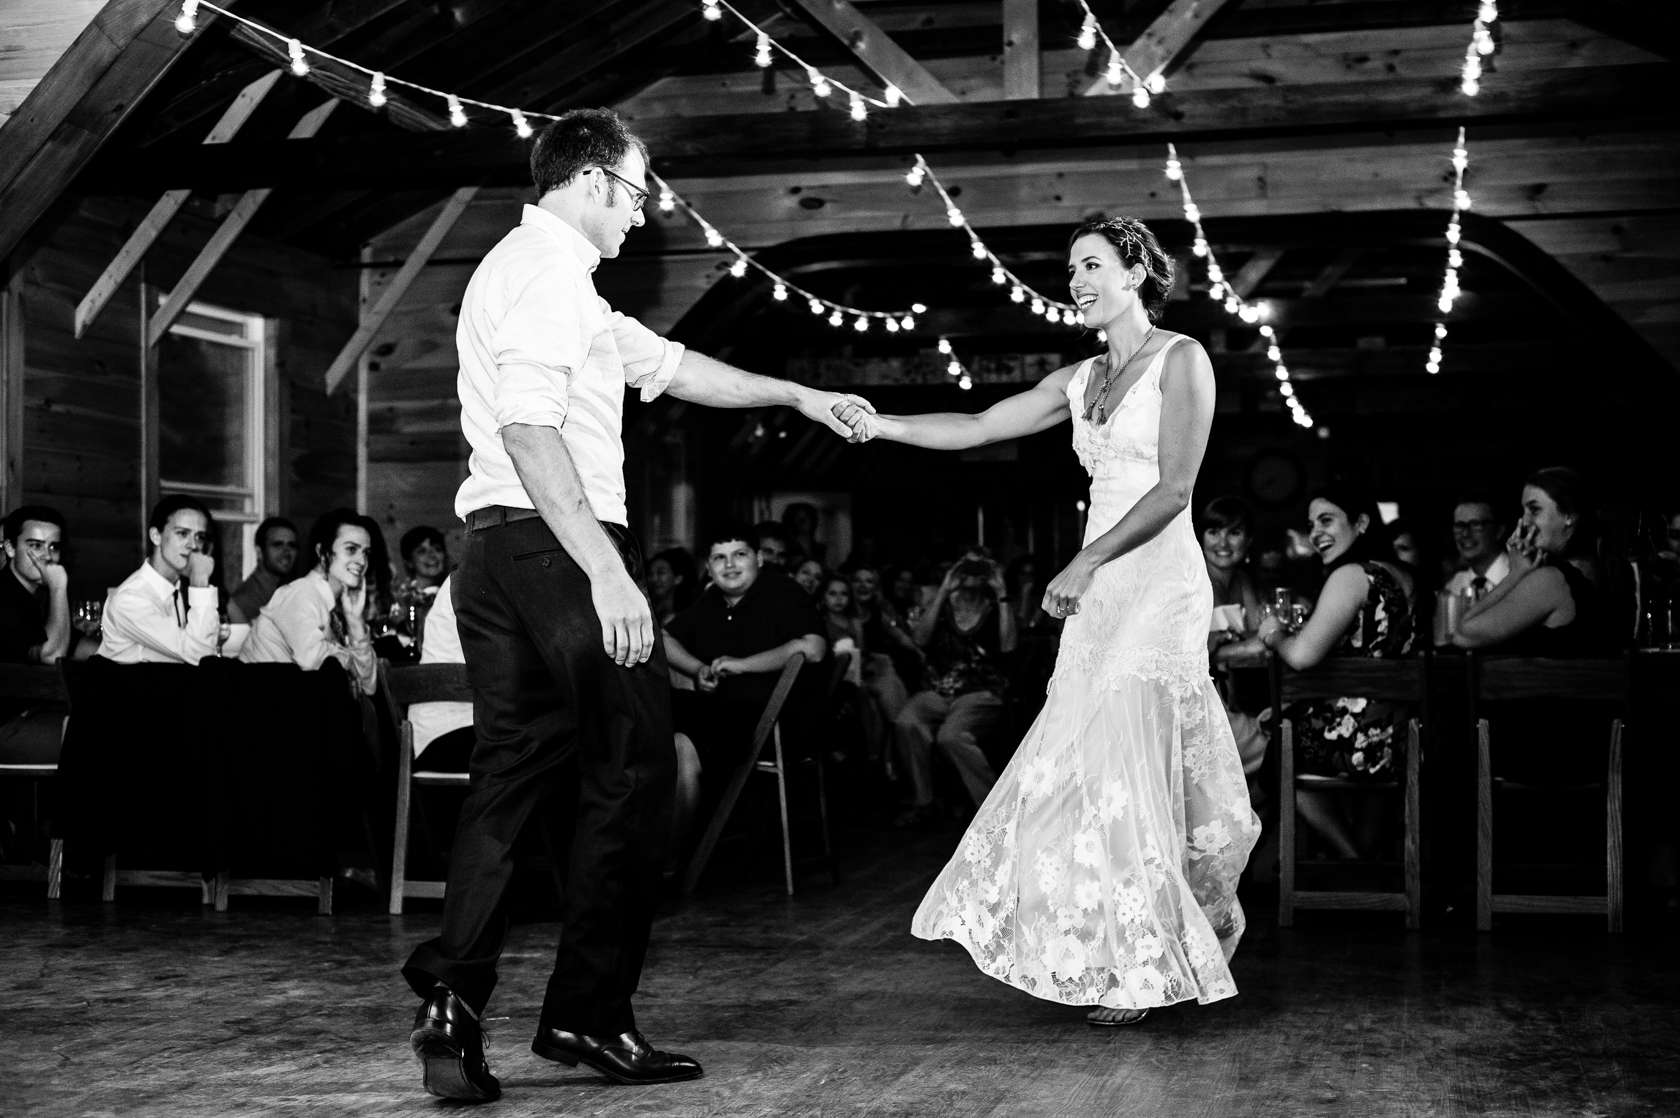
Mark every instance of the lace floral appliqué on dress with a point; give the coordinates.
(1102, 869)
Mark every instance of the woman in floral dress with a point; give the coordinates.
(1364, 610)
(1102, 868)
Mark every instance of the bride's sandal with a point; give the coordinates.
(1103, 1018)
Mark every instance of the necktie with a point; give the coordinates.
(179, 607)
(1479, 585)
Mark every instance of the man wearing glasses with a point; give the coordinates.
(560, 646)
(1479, 534)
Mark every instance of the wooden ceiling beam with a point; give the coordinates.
(756, 142)
(1161, 42)
(1254, 272)
(876, 50)
(1321, 284)
(1021, 59)
(81, 101)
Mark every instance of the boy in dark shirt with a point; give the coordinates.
(734, 641)
(34, 628)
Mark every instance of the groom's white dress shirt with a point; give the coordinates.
(537, 345)
(146, 622)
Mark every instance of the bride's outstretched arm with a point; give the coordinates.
(1040, 407)
(1187, 399)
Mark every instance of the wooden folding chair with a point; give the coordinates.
(36, 683)
(1402, 681)
(769, 730)
(1494, 679)
(421, 683)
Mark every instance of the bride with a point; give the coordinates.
(1102, 869)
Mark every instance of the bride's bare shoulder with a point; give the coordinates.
(1061, 378)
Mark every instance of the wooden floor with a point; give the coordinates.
(825, 1005)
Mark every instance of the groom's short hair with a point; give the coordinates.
(580, 139)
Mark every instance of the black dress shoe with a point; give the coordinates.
(450, 1044)
(626, 1058)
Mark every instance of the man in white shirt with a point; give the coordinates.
(166, 612)
(1479, 534)
(559, 642)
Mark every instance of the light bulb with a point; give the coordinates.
(1088, 33)
(861, 325)
(908, 322)
(710, 10)
(667, 200)
(919, 308)
(998, 277)
(1440, 329)
(1455, 258)
(1267, 332)
(1140, 97)
(761, 57)
(1249, 314)
(915, 175)
(1175, 170)
(892, 325)
(954, 368)
(1102, 335)
(859, 110)
(1115, 73)
(1216, 273)
(893, 96)
(820, 87)
(713, 237)
(1488, 12)
(184, 22)
(1200, 248)
(1192, 213)
(1216, 292)
(521, 126)
(1274, 354)
(1157, 83)
(779, 293)
(739, 268)
(1472, 68)
(1281, 373)
(1037, 305)
(837, 319)
(457, 115)
(1287, 389)
(1482, 41)
(1453, 233)
(376, 91)
(816, 306)
(1070, 317)
(945, 345)
(978, 249)
(1444, 303)
(1460, 160)
(1231, 305)
(965, 384)
(1470, 87)
(1461, 199)
(954, 216)
(1017, 294)
(294, 50)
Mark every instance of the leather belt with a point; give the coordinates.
(494, 516)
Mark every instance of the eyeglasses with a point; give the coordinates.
(638, 196)
(1470, 527)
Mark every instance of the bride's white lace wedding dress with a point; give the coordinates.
(1102, 869)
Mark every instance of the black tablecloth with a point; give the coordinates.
(251, 768)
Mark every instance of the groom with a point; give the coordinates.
(560, 645)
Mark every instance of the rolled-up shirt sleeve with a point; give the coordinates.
(650, 361)
(539, 343)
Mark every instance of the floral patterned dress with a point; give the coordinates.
(1360, 739)
(1102, 869)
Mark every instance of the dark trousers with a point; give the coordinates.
(545, 694)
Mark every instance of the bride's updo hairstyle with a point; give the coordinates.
(1135, 244)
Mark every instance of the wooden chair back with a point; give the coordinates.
(1394, 681)
(1504, 678)
(773, 708)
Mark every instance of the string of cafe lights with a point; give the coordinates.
(836, 313)
(1118, 68)
(1470, 83)
(1221, 291)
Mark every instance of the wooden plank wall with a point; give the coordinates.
(81, 441)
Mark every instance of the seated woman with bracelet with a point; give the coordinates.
(322, 615)
(1364, 609)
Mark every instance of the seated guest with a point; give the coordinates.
(800, 520)
(670, 580)
(166, 612)
(891, 654)
(733, 642)
(425, 558)
(1227, 531)
(323, 615)
(35, 598)
(1026, 592)
(811, 578)
(964, 631)
(772, 543)
(34, 629)
(1551, 604)
(1479, 535)
(1364, 609)
(900, 590)
(443, 732)
(277, 548)
(845, 631)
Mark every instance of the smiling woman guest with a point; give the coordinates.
(1364, 610)
(322, 615)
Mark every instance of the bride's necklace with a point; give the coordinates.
(1109, 379)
